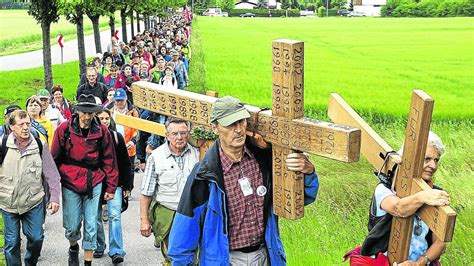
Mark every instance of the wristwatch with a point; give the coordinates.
(427, 260)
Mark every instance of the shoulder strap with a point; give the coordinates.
(3, 148)
(115, 137)
(40, 146)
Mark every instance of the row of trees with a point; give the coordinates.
(312, 5)
(47, 12)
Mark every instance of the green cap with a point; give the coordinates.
(227, 110)
(43, 93)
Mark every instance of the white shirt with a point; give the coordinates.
(54, 115)
(418, 244)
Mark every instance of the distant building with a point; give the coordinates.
(251, 4)
(368, 7)
(246, 4)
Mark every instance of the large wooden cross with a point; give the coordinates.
(441, 220)
(284, 126)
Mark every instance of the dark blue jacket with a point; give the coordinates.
(201, 218)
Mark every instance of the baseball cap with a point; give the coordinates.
(43, 93)
(10, 109)
(227, 110)
(120, 94)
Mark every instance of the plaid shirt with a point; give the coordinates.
(245, 213)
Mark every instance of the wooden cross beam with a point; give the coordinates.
(284, 126)
(441, 220)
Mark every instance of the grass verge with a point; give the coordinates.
(20, 33)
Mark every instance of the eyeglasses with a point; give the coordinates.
(182, 134)
(91, 76)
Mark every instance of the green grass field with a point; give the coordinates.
(374, 64)
(20, 33)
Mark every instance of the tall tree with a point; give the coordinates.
(74, 12)
(112, 19)
(138, 21)
(45, 12)
(94, 9)
(132, 26)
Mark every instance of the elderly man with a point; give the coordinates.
(25, 165)
(226, 207)
(165, 176)
(98, 89)
(117, 58)
(425, 247)
(85, 155)
(180, 70)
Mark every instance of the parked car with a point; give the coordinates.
(357, 14)
(344, 13)
(247, 15)
(215, 12)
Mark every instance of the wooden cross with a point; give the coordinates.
(284, 126)
(441, 220)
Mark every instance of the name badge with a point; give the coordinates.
(246, 186)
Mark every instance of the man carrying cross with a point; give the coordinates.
(425, 247)
(226, 209)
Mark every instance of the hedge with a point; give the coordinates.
(428, 8)
(257, 12)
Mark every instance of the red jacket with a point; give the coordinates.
(84, 155)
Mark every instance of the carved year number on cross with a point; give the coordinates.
(284, 126)
(441, 220)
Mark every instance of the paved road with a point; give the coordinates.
(140, 250)
(35, 58)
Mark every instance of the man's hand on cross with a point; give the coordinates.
(299, 162)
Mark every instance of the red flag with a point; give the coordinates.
(116, 34)
(188, 16)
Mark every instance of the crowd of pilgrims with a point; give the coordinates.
(160, 55)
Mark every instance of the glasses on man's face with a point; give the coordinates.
(91, 76)
(181, 133)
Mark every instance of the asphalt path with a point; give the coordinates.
(140, 250)
(70, 52)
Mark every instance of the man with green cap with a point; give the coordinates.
(226, 209)
(51, 112)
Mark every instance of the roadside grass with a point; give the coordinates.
(20, 33)
(374, 63)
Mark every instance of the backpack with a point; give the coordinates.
(4, 148)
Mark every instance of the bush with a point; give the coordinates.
(264, 12)
(428, 8)
(321, 11)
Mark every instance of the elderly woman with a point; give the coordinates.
(425, 247)
(60, 102)
(39, 121)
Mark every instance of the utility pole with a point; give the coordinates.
(327, 8)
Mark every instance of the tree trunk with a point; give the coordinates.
(48, 70)
(146, 21)
(138, 22)
(95, 25)
(123, 17)
(132, 27)
(112, 25)
(80, 42)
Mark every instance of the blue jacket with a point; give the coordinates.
(201, 218)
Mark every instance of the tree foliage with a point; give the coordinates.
(428, 8)
(44, 11)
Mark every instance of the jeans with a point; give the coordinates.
(78, 207)
(32, 225)
(115, 226)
